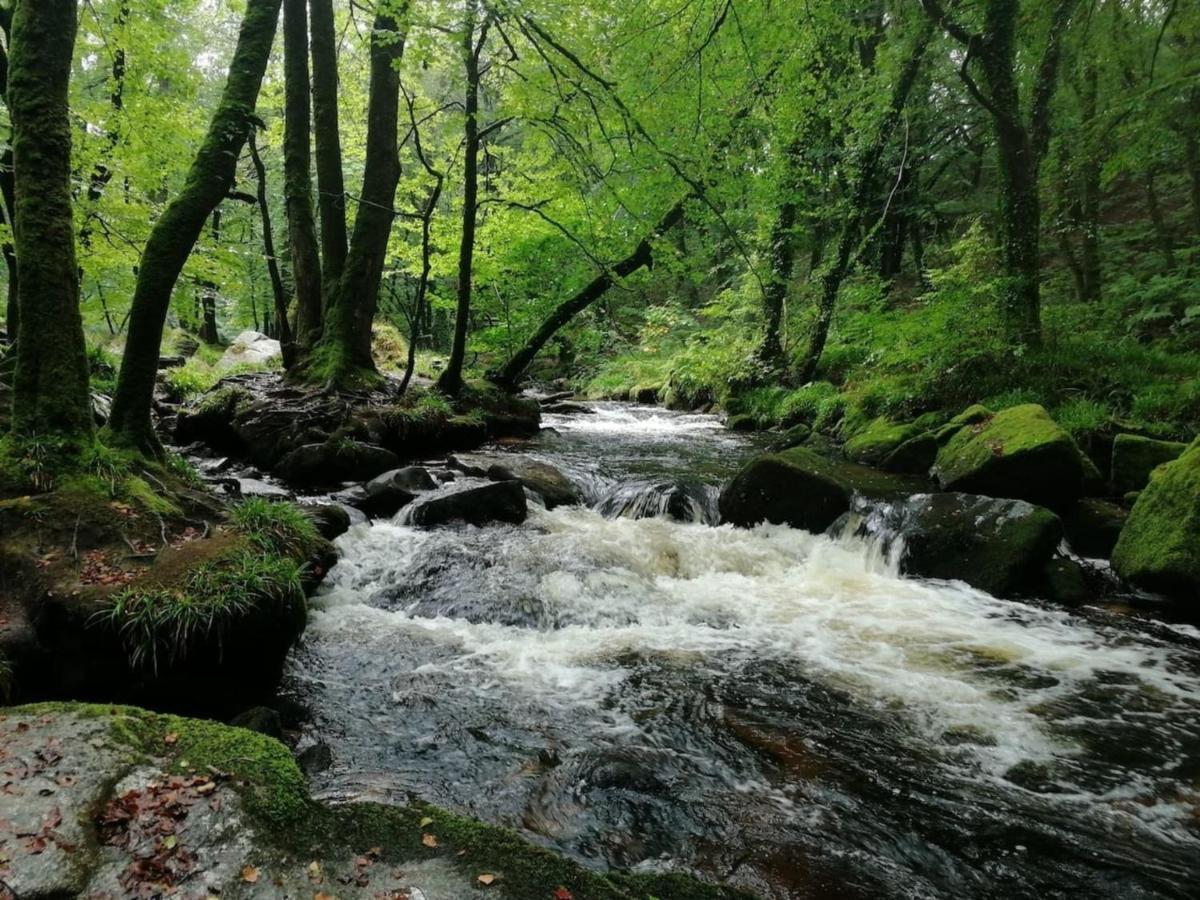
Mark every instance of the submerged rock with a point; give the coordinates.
(1019, 453)
(1134, 457)
(501, 501)
(801, 488)
(1159, 548)
(997, 546)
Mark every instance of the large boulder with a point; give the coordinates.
(878, 440)
(1134, 457)
(250, 348)
(501, 501)
(1093, 527)
(334, 461)
(998, 546)
(548, 482)
(804, 489)
(1159, 548)
(1019, 453)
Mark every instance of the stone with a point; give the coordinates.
(500, 501)
(743, 422)
(793, 437)
(915, 456)
(801, 488)
(386, 494)
(334, 461)
(545, 480)
(1134, 457)
(261, 719)
(250, 348)
(332, 519)
(877, 441)
(1159, 547)
(1019, 453)
(1093, 526)
(315, 759)
(1065, 582)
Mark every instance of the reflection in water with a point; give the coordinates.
(767, 707)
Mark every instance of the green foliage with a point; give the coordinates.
(275, 527)
(163, 623)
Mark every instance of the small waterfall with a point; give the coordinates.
(878, 528)
(681, 501)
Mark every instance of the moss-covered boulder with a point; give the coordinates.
(792, 437)
(120, 802)
(998, 546)
(335, 461)
(1019, 453)
(1134, 457)
(915, 456)
(1159, 548)
(873, 444)
(972, 415)
(804, 489)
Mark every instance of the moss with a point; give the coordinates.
(1019, 452)
(225, 402)
(332, 364)
(874, 443)
(1159, 547)
(1134, 457)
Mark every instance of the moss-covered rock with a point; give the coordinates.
(242, 823)
(1159, 548)
(1019, 453)
(801, 488)
(915, 456)
(335, 461)
(1134, 457)
(743, 422)
(792, 437)
(878, 440)
(1093, 526)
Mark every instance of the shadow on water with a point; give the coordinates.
(768, 708)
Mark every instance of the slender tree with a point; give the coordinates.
(175, 233)
(331, 188)
(7, 194)
(450, 381)
(1021, 143)
(282, 328)
(50, 391)
(343, 357)
(297, 162)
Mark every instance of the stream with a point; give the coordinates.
(767, 708)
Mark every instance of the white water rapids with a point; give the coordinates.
(773, 708)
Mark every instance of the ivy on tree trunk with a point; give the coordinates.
(50, 390)
(175, 233)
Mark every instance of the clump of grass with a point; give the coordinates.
(274, 527)
(163, 623)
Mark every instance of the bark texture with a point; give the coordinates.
(331, 187)
(50, 390)
(282, 328)
(175, 233)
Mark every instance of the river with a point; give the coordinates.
(768, 708)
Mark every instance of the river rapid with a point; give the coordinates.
(768, 708)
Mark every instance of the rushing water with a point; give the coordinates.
(769, 708)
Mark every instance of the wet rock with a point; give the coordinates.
(793, 437)
(548, 482)
(255, 487)
(997, 546)
(171, 362)
(1093, 527)
(683, 501)
(915, 456)
(332, 519)
(261, 719)
(250, 348)
(1064, 581)
(390, 492)
(1135, 457)
(801, 488)
(644, 394)
(1159, 547)
(742, 422)
(334, 461)
(315, 759)
(501, 501)
(1019, 453)
(567, 409)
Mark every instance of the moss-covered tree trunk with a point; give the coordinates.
(175, 233)
(451, 381)
(331, 187)
(282, 328)
(7, 194)
(50, 390)
(297, 162)
(343, 357)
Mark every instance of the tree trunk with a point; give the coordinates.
(1089, 192)
(1020, 222)
(643, 255)
(450, 381)
(867, 168)
(7, 195)
(297, 162)
(175, 233)
(783, 240)
(331, 187)
(1162, 233)
(1191, 148)
(343, 357)
(282, 329)
(50, 387)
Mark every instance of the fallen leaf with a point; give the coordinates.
(170, 841)
(425, 821)
(486, 879)
(429, 840)
(249, 874)
(170, 737)
(561, 893)
(314, 872)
